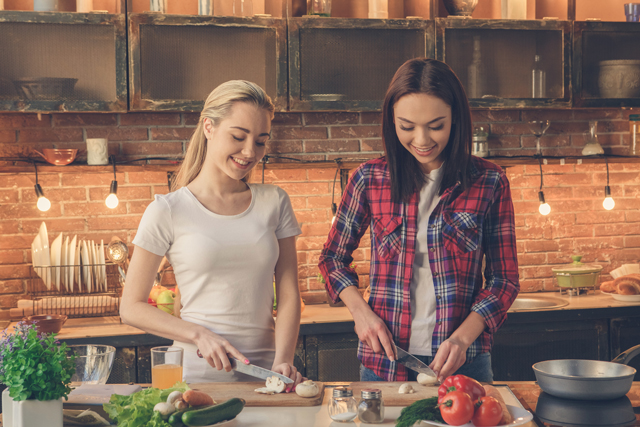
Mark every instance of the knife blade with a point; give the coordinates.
(413, 363)
(257, 371)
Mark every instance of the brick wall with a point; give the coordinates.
(577, 224)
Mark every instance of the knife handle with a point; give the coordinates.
(198, 353)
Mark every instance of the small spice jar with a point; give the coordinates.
(371, 407)
(634, 133)
(342, 406)
(480, 146)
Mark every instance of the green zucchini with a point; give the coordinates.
(175, 419)
(214, 414)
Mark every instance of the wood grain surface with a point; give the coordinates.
(225, 391)
(390, 395)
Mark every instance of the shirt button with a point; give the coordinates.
(433, 226)
(384, 229)
(432, 249)
(438, 297)
(439, 322)
(435, 273)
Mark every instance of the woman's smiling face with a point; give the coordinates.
(423, 126)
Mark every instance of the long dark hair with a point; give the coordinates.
(431, 77)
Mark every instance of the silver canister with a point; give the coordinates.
(480, 146)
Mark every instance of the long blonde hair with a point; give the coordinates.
(216, 108)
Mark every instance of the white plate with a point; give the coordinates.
(77, 268)
(86, 267)
(36, 249)
(94, 270)
(45, 256)
(56, 247)
(625, 298)
(520, 416)
(64, 261)
(72, 262)
(103, 266)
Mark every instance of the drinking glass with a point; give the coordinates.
(166, 366)
(538, 128)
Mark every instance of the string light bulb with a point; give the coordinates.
(43, 204)
(608, 203)
(544, 207)
(112, 199)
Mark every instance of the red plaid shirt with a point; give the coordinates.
(463, 228)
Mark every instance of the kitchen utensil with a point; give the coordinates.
(246, 390)
(632, 12)
(587, 379)
(58, 156)
(609, 413)
(45, 88)
(47, 323)
(257, 371)
(319, 7)
(93, 363)
(618, 78)
(413, 363)
(538, 128)
(577, 274)
(592, 147)
(460, 7)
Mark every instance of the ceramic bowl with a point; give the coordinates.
(48, 323)
(460, 7)
(93, 363)
(58, 156)
(619, 78)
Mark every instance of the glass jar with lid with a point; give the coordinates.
(480, 146)
(371, 407)
(342, 405)
(634, 133)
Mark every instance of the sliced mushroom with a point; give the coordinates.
(307, 389)
(264, 390)
(424, 379)
(406, 389)
(276, 384)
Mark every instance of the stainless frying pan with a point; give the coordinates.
(587, 379)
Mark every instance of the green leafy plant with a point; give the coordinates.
(33, 365)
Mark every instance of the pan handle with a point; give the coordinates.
(626, 356)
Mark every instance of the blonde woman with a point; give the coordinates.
(225, 238)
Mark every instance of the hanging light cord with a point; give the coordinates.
(606, 162)
(35, 165)
(541, 179)
(334, 207)
(113, 160)
(265, 159)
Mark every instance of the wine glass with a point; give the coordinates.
(538, 128)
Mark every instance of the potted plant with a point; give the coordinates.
(37, 372)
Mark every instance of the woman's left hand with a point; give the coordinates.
(450, 356)
(289, 371)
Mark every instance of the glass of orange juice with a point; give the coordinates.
(166, 366)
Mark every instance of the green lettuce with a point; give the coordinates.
(136, 410)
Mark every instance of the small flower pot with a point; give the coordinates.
(30, 413)
(7, 408)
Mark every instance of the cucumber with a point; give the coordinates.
(175, 419)
(214, 414)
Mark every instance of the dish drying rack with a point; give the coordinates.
(74, 301)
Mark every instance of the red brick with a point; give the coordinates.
(370, 118)
(306, 188)
(533, 233)
(571, 206)
(152, 148)
(284, 147)
(298, 203)
(631, 191)
(627, 204)
(537, 272)
(340, 118)
(550, 193)
(147, 177)
(299, 133)
(54, 226)
(532, 259)
(287, 175)
(372, 145)
(149, 119)
(11, 286)
(323, 202)
(602, 216)
(316, 229)
(354, 157)
(632, 242)
(8, 301)
(6, 137)
(616, 229)
(322, 174)
(191, 119)
(9, 227)
(20, 271)
(531, 285)
(57, 195)
(331, 146)
(13, 256)
(362, 131)
(567, 179)
(50, 135)
(93, 209)
(138, 207)
(597, 114)
(171, 133)
(124, 193)
(313, 243)
(526, 207)
(9, 196)
(522, 181)
(303, 157)
(90, 179)
(312, 216)
(28, 210)
(573, 231)
(546, 142)
(516, 128)
(119, 134)
(159, 190)
(502, 142)
(114, 223)
(495, 116)
(24, 120)
(72, 119)
(287, 119)
(541, 246)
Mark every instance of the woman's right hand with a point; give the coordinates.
(216, 351)
(373, 332)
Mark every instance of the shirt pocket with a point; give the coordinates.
(388, 234)
(462, 231)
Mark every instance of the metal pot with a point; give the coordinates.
(585, 413)
(587, 379)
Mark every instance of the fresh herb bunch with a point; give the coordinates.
(425, 409)
(33, 365)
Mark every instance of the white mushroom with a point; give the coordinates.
(406, 389)
(276, 384)
(264, 390)
(307, 389)
(165, 409)
(424, 379)
(180, 404)
(175, 395)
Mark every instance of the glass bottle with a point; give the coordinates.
(539, 84)
(474, 72)
(634, 133)
(342, 406)
(371, 407)
(319, 7)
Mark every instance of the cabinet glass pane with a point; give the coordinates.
(188, 62)
(500, 63)
(622, 82)
(353, 64)
(57, 62)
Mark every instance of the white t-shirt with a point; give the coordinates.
(224, 266)
(423, 296)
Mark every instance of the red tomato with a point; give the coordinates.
(456, 408)
(462, 383)
(488, 412)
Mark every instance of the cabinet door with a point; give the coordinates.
(177, 60)
(507, 63)
(606, 64)
(625, 333)
(517, 346)
(332, 357)
(54, 61)
(347, 64)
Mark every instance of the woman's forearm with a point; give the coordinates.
(469, 330)
(287, 329)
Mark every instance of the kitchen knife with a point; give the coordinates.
(257, 371)
(413, 363)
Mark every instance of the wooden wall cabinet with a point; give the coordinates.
(495, 59)
(55, 61)
(596, 44)
(175, 61)
(347, 64)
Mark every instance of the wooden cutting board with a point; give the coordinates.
(390, 395)
(225, 391)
